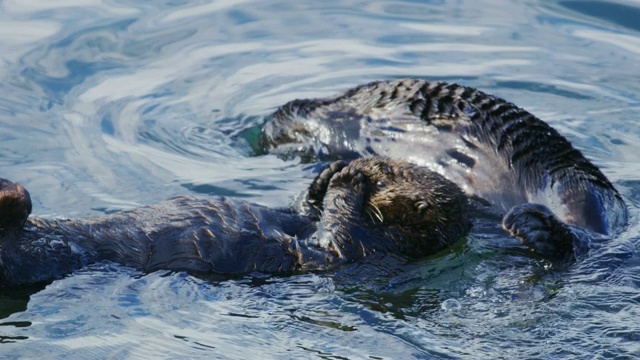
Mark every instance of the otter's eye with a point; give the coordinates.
(381, 184)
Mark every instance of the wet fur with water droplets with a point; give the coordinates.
(491, 148)
(351, 215)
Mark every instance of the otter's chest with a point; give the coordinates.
(450, 151)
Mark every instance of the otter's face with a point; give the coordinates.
(406, 195)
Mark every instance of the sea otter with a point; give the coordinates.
(370, 205)
(491, 148)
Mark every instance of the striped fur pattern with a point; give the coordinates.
(488, 146)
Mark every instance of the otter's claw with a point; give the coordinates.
(349, 176)
(318, 187)
(541, 231)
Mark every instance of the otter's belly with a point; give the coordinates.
(478, 170)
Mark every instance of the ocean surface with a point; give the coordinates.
(109, 105)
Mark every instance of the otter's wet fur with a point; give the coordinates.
(353, 210)
(490, 147)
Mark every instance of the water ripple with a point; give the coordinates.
(107, 105)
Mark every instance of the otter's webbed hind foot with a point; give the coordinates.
(15, 206)
(542, 232)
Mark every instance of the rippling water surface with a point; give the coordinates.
(107, 105)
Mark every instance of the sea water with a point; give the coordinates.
(109, 105)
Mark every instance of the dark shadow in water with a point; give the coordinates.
(618, 14)
(15, 299)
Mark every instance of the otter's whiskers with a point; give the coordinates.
(373, 211)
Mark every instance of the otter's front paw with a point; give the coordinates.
(349, 177)
(541, 231)
(345, 195)
(15, 204)
(318, 188)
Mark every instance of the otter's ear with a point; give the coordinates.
(15, 204)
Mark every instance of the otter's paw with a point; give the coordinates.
(350, 178)
(345, 195)
(541, 231)
(318, 188)
(15, 204)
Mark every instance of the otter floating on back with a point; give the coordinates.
(370, 205)
(488, 146)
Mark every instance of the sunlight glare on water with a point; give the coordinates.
(108, 105)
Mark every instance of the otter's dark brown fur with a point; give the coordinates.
(369, 205)
(488, 146)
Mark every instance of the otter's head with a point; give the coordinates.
(15, 207)
(329, 134)
(427, 210)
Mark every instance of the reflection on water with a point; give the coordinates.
(107, 105)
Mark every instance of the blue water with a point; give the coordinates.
(108, 105)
